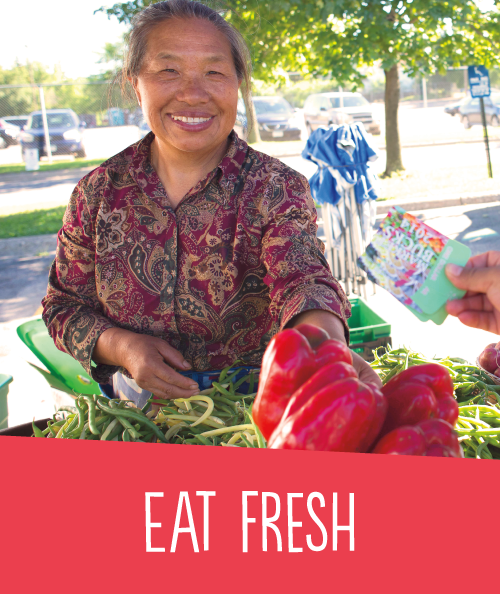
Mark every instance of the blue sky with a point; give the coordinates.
(56, 31)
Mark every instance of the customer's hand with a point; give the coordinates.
(150, 361)
(480, 307)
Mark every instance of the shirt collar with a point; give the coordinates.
(224, 174)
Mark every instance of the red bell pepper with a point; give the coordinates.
(433, 437)
(289, 361)
(419, 393)
(345, 416)
(327, 375)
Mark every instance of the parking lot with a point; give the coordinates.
(99, 143)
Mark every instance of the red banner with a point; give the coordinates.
(109, 517)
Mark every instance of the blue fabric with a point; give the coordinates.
(124, 388)
(347, 150)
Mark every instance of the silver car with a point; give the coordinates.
(325, 109)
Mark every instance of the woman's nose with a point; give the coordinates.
(192, 91)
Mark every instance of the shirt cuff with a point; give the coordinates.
(317, 297)
(80, 339)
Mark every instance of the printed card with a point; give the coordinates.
(407, 258)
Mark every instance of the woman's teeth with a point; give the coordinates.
(190, 120)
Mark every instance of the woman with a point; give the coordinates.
(187, 250)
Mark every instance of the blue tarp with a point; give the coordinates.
(342, 154)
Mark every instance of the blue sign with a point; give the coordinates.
(479, 81)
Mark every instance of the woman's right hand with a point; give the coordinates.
(150, 361)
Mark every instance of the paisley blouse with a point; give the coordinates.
(216, 277)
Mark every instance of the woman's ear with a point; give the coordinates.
(133, 82)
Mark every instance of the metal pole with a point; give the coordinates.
(45, 125)
(486, 140)
(424, 92)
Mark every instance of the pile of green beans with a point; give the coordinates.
(478, 397)
(218, 416)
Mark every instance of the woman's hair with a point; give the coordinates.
(146, 20)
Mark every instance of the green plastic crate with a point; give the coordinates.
(4, 390)
(365, 325)
(65, 373)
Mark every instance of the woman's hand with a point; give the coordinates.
(150, 361)
(480, 307)
(365, 373)
(335, 329)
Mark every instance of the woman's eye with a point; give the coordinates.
(168, 70)
(214, 72)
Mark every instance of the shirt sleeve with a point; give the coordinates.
(71, 309)
(298, 274)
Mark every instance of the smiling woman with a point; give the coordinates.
(188, 250)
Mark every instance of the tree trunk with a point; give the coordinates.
(253, 126)
(392, 141)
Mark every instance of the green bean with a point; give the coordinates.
(232, 429)
(260, 438)
(125, 435)
(223, 373)
(226, 393)
(252, 383)
(92, 413)
(248, 444)
(110, 431)
(68, 429)
(81, 416)
(49, 426)
(129, 414)
(128, 426)
(172, 432)
(482, 408)
(481, 432)
(36, 430)
(203, 440)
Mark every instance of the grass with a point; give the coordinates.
(33, 222)
(44, 166)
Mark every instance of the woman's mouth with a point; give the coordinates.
(194, 123)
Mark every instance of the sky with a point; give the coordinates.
(57, 31)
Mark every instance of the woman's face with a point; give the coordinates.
(188, 87)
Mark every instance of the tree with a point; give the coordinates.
(338, 37)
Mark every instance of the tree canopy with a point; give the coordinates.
(339, 37)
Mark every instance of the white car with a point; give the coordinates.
(325, 109)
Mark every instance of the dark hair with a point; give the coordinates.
(144, 21)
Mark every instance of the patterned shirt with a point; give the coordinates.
(216, 277)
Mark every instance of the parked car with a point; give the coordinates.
(10, 128)
(241, 123)
(65, 133)
(454, 108)
(470, 112)
(325, 109)
(276, 119)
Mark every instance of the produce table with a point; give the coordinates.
(222, 415)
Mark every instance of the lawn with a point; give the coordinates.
(33, 222)
(44, 166)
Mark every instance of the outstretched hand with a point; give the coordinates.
(480, 307)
